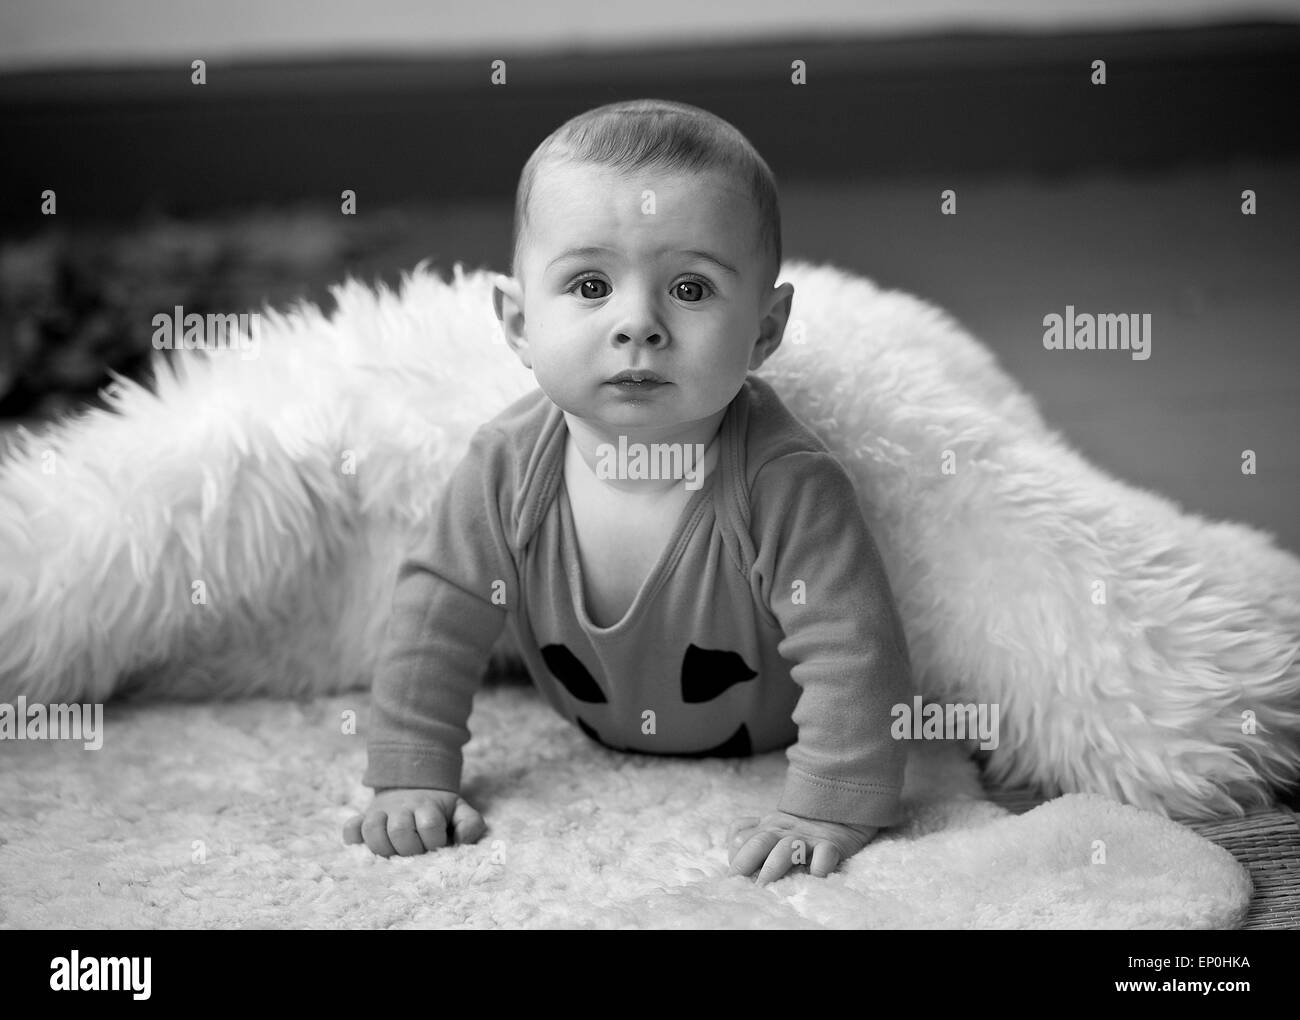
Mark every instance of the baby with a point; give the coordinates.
(683, 565)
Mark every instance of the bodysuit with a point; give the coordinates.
(766, 622)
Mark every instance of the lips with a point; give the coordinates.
(638, 377)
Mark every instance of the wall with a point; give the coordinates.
(63, 33)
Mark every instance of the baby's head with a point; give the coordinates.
(647, 236)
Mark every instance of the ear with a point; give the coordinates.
(772, 325)
(508, 303)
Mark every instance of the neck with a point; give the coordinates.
(627, 460)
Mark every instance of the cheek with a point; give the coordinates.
(742, 333)
(559, 367)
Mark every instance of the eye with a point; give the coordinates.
(699, 285)
(585, 282)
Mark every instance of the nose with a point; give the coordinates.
(651, 339)
(639, 322)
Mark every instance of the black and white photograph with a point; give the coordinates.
(557, 466)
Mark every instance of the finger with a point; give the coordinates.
(740, 833)
(737, 845)
(467, 823)
(779, 861)
(352, 829)
(754, 853)
(431, 827)
(738, 828)
(375, 831)
(825, 859)
(402, 833)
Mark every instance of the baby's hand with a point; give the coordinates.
(411, 821)
(775, 839)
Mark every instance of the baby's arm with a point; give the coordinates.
(449, 606)
(846, 641)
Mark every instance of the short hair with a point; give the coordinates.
(657, 134)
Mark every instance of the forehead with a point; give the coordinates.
(573, 202)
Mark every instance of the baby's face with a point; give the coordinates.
(645, 294)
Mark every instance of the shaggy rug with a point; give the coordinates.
(237, 532)
(230, 815)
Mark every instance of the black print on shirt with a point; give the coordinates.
(735, 746)
(566, 668)
(706, 673)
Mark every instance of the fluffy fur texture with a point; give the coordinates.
(236, 474)
(231, 816)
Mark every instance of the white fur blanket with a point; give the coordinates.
(238, 531)
(231, 815)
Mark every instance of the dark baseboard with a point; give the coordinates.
(118, 144)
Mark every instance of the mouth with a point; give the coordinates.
(638, 379)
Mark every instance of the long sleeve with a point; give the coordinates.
(822, 579)
(449, 606)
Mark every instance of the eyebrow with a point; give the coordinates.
(591, 251)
